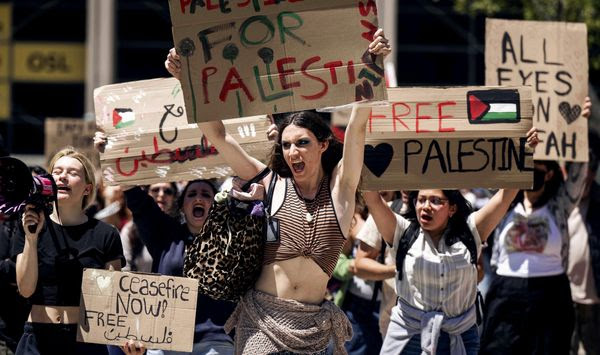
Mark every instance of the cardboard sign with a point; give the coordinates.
(150, 140)
(158, 311)
(552, 58)
(78, 133)
(242, 58)
(450, 138)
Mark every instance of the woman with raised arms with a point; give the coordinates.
(313, 205)
(436, 245)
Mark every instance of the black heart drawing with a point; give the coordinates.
(378, 158)
(570, 114)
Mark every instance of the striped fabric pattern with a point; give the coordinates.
(320, 239)
(437, 279)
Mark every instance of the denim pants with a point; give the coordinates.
(209, 347)
(364, 317)
(470, 339)
(42, 338)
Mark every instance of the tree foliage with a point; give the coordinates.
(587, 11)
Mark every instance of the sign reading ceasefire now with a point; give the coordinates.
(48, 62)
(242, 58)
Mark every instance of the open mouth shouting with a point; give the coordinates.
(298, 167)
(63, 189)
(198, 211)
(425, 218)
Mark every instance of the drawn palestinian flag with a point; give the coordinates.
(123, 117)
(493, 106)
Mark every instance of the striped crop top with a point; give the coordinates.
(307, 228)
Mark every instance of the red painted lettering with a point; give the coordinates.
(351, 72)
(304, 69)
(244, 4)
(371, 30)
(229, 85)
(419, 117)
(371, 117)
(210, 5)
(397, 117)
(184, 4)
(283, 73)
(205, 75)
(441, 116)
(331, 66)
(365, 9)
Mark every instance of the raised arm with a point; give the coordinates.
(384, 217)
(350, 166)
(244, 166)
(488, 217)
(229, 149)
(368, 268)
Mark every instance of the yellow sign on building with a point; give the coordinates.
(48, 62)
(4, 60)
(4, 100)
(5, 22)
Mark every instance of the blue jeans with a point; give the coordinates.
(209, 347)
(470, 339)
(364, 317)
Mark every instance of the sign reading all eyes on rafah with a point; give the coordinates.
(243, 57)
(450, 138)
(552, 58)
(150, 140)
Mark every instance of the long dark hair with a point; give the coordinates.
(550, 187)
(457, 228)
(190, 183)
(314, 123)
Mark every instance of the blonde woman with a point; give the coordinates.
(50, 260)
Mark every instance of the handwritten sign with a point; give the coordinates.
(150, 140)
(450, 138)
(552, 58)
(245, 57)
(159, 311)
(78, 133)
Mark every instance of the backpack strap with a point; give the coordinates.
(256, 179)
(410, 236)
(406, 241)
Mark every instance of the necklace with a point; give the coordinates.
(310, 206)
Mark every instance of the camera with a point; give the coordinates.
(18, 189)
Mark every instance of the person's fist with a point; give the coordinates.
(173, 63)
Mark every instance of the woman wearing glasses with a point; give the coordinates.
(436, 245)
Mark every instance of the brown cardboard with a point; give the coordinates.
(115, 307)
(552, 58)
(150, 140)
(402, 141)
(245, 58)
(78, 133)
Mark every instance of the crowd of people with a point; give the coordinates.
(371, 272)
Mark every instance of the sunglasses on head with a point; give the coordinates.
(166, 190)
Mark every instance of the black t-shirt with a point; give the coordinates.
(61, 260)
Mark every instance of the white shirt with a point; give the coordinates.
(437, 279)
(581, 274)
(530, 244)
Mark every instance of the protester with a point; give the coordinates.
(136, 253)
(584, 259)
(528, 307)
(166, 238)
(374, 261)
(313, 202)
(436, 246)
(50, 260)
